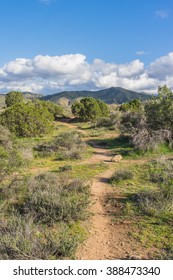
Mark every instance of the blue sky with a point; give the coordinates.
(131, 39)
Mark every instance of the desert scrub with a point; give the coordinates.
(11, 159)
(120, 175)
(53, 198)
(21, 238)
(67, 145)
(161, 171)
(65, 167)
(160, 200)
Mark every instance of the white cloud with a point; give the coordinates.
(162, 68)
(141, 52)
(134, 68)
(162, 14)
(50, 74)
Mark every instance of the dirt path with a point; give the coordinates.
(106, 240)
(97, 246)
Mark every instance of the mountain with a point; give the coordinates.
(111, 95)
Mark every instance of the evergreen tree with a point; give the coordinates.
(13, 98)
(90, 109)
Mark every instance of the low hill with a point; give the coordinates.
(111, 95)
(27, 95)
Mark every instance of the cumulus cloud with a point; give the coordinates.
(50, 74)
(162, 68)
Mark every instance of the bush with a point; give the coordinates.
(156, 202)
(111, 122)
(121, 174)
(160, 200)
(27, 120)
(89, 109)
(152, 125)
(10, 158)
(13, 98)
(51, 198)
(146, 140)
(161, 171)
(54, 109)
(133, 105)
(67, 145)
(22, 239)
(142, 136)
(65, 168)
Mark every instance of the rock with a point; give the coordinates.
(116, 158)
(133, 257)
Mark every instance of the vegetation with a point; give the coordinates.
(67, 145)
(44, 203)
(121, 174)
(13, 98)
(152, 125)
(133, 105)
(54, 109)
(44, 213)
(27, 120)
(160, 200)
(89, 109)
(10, 158)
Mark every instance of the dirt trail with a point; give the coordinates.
(97, 246)
(106, 239)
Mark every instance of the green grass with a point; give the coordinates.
(154, 232)
(87, 171)
(151, 230)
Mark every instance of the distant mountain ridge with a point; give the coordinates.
(111, 95)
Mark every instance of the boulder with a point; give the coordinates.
(116, 158)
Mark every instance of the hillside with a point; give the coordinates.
(27, 95)
(111, 95)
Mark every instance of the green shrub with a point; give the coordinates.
(67, 145)
(10, 158)
(51, 198)
(121, 174)
(13, 97)
(22, 239)
(54, 109)
(161, 171)
(160, 200)
(66, 167)
(134, 105)
(27, 120)
(90, 109)
(156, 202)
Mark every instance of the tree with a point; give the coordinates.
(90, 109)
(13, 98)
(153, 124)
(133, 105)
(159, 110)
(54, 109)
(27, 120)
